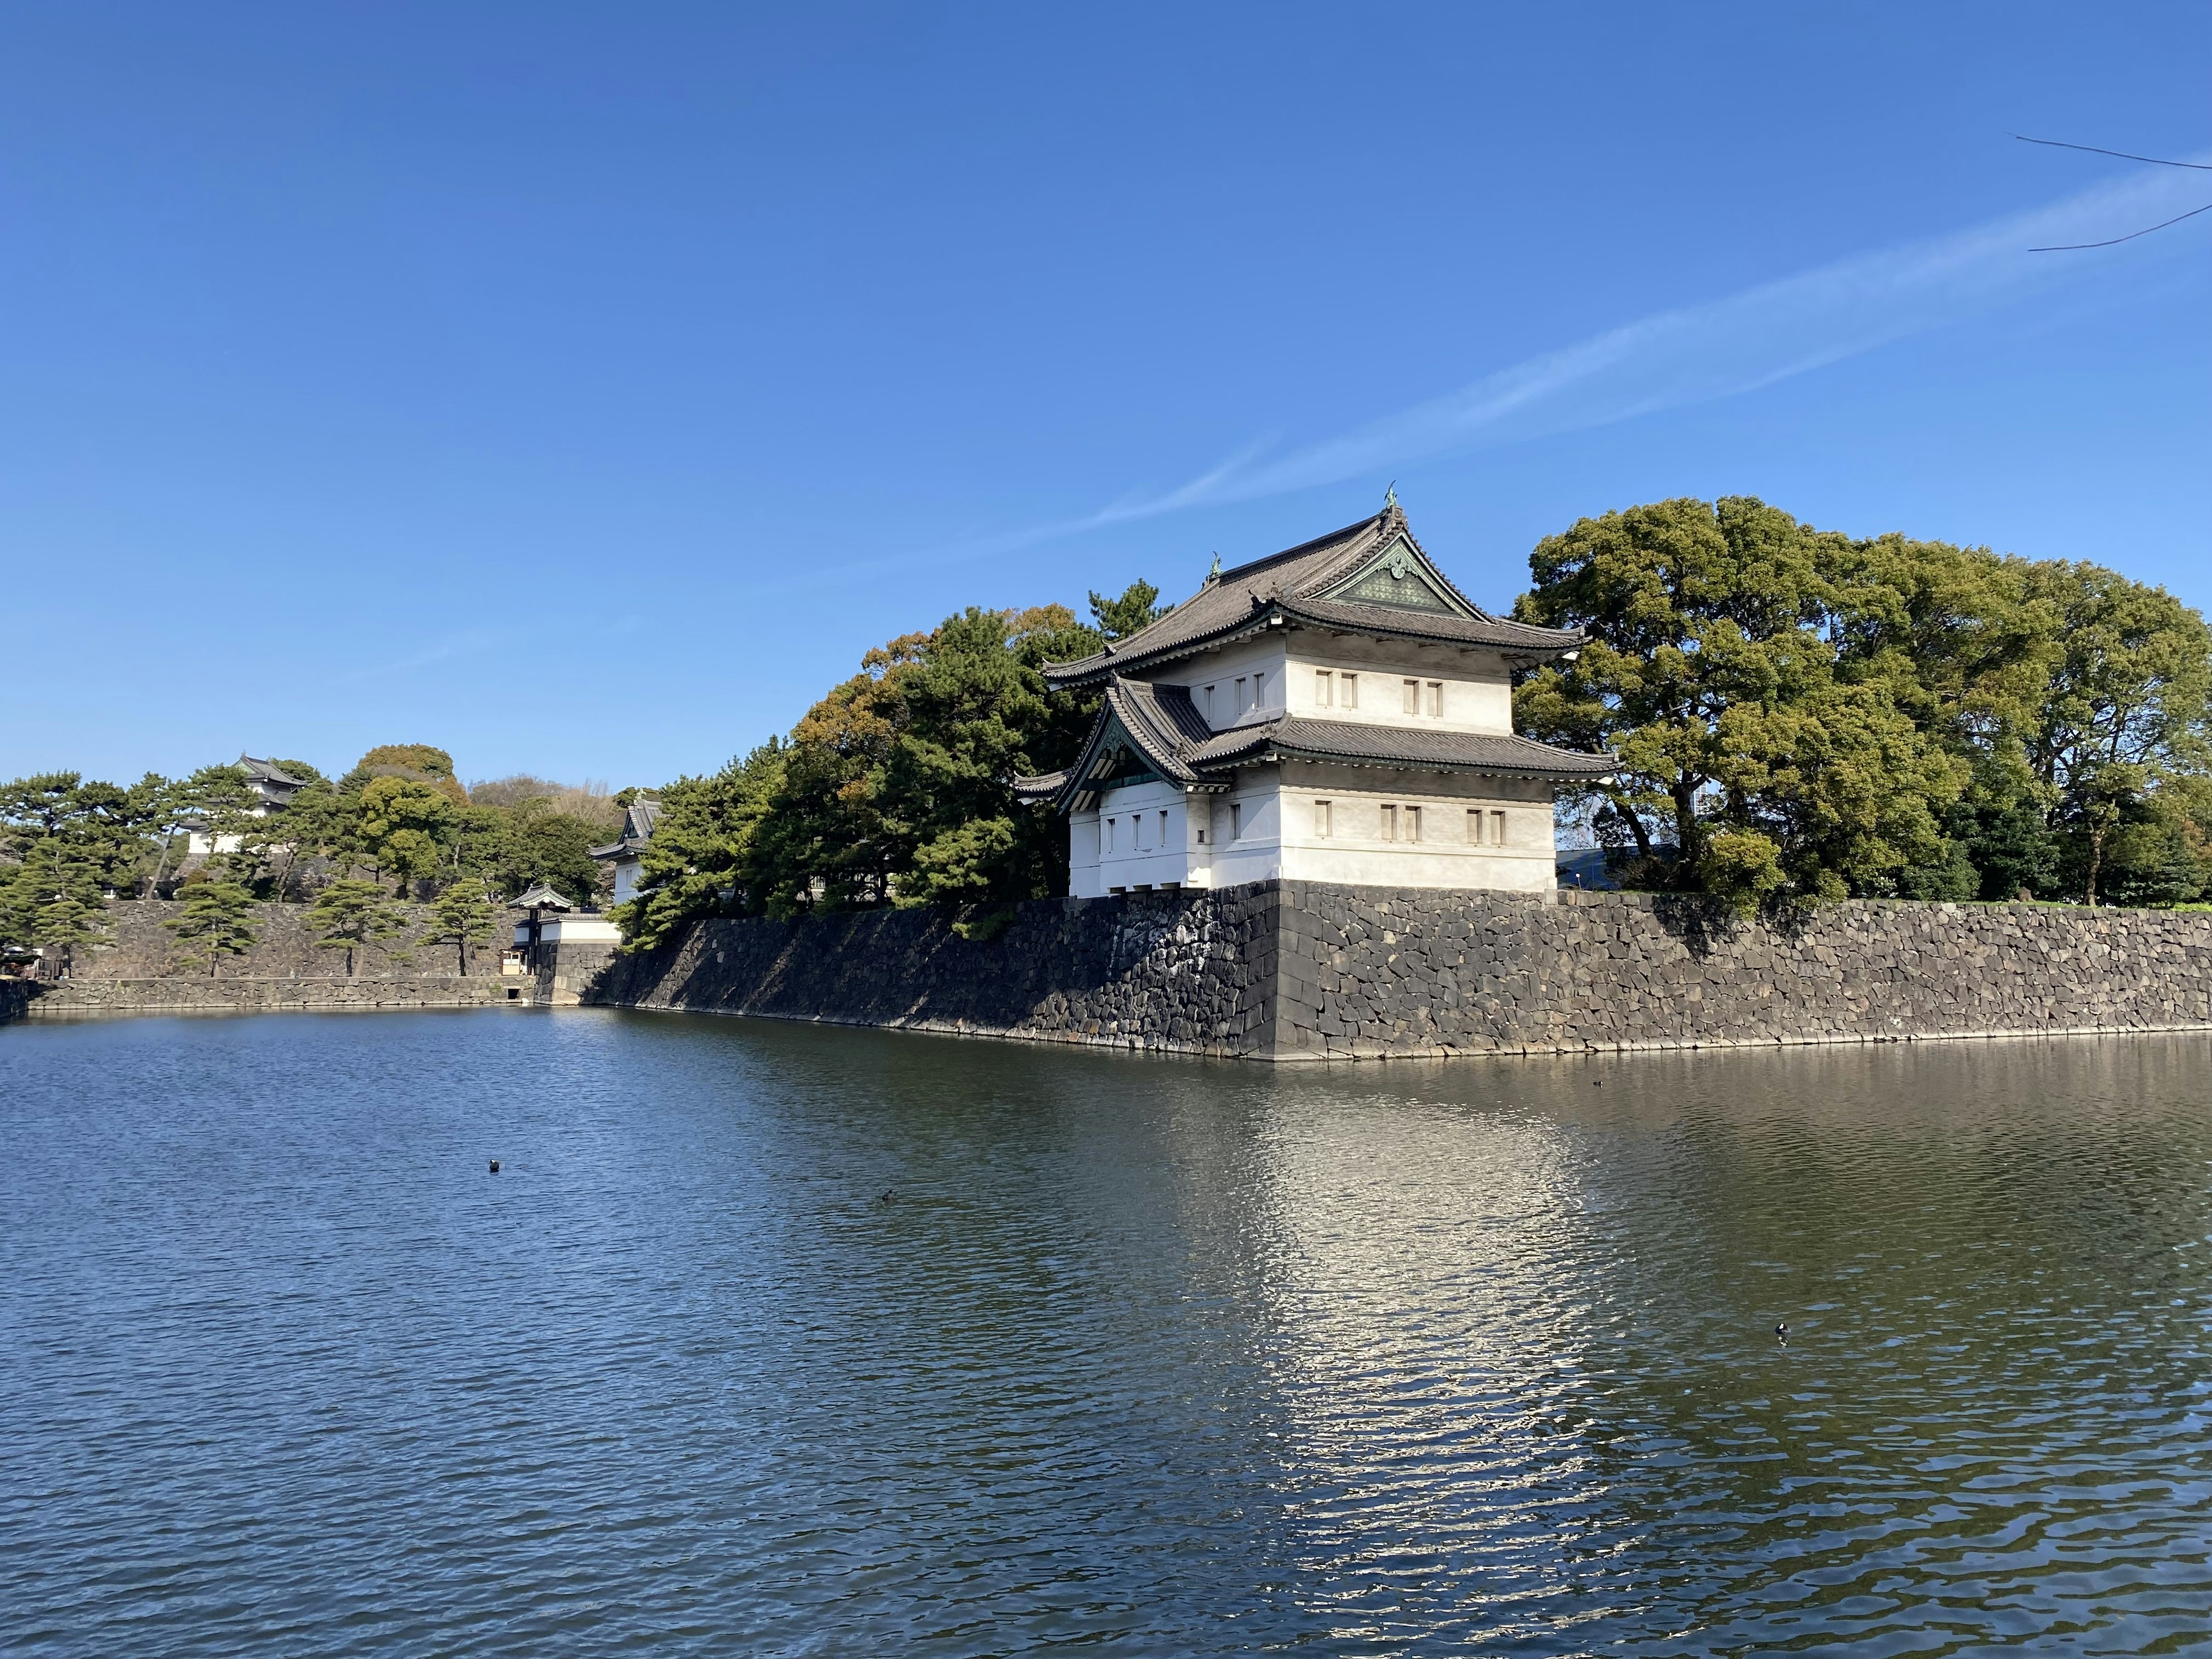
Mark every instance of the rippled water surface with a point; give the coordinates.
(785, 1339)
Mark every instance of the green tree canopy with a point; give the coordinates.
(465, 916)
(895, 787)
(1714, 673)
(418, 762)
(1801, 715)
(701, 860)
(351, 913)
(1136, 608)
(214, 919)
(404, 825)
(66, 845)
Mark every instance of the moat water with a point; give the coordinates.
(775, 1339)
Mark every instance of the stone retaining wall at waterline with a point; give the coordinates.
(139, 968)
(1299, 970)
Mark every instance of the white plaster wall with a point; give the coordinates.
(1220, 668)
(576, 930)
(626, 879)
(1144, 851)
(1255, 852)
(1084, 878)
(1355, 853)
(1478, 686)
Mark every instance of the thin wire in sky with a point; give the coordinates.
(2067, 247)
(2154, 161)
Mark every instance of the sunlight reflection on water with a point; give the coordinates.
(772, 1338)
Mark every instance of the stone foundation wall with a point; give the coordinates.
(84, 998)
(1296, 971)
(139, 947)
(138, 968)
(1371, 973)
(1188, 971)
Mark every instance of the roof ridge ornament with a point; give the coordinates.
(1214, 575)
(1391, 497)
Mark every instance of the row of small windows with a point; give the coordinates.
(1245, 691)
(1111, 829)
(1136, 830)
(1396, 821)
(1335, 690)
(1402, 821)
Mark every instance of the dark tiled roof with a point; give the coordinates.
(1369, 744)
(1160, 720)
(1163, 721)
(262, 772)
(1241, 598)
(1176, 743)
(540, 897)
(1416, 624)
(638, 819)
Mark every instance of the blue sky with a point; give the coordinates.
(584, 389)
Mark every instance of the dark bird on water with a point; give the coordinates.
(1783, 1330)
(887, 1198)
(494, 1166)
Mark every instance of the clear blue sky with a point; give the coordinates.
(583, 389)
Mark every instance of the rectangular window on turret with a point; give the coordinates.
(1324, 689)
(1348, 690)
(1109, 835)
(1497, 829)
(1259, 690)
(1164, 831)
(1321, 819)
(1413, 696)
(1235, 820)
(1475, 826)
(1390, 815)
(1241, 704)
(1435, 700)
(1411, 823)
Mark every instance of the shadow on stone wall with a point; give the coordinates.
(1290, 970)
(1184, 971)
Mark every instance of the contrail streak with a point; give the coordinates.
(1670, 360)
(1717, 350)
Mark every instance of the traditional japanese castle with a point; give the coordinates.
(1339, 712)
(629, 852)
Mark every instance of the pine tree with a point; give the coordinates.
(352, 913)
(465, 916)
(214, 920)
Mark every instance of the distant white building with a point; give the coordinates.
(1338, 712)
(629, 852)
(273, 789)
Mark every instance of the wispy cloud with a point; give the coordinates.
(1725, 346)
(1670, 360)
(452, 644)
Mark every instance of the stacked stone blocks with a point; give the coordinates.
(1295, 970)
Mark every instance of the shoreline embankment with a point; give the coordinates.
(1295, 970)
(1284, 971)
(140, 968)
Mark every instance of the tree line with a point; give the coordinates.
(1800, 716)
(1803, 716)
(398, 827)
